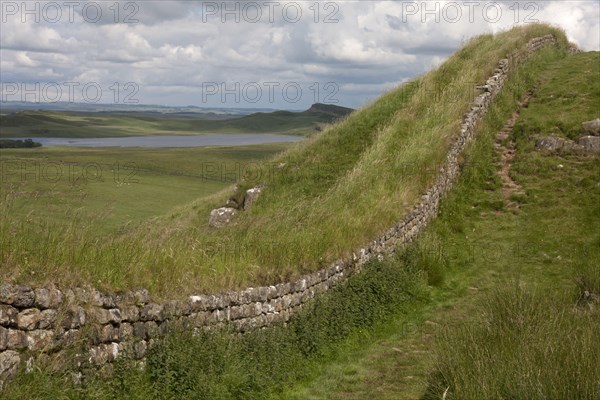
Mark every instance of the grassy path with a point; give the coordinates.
(540, 245)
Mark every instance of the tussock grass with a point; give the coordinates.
(510, 312)
(525, 346)
(220, 365)
(337, 191)
(522, 333)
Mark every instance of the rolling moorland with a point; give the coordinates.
(28, 123)
(497, 299)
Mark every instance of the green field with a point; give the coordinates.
(55, 199)
(315, 209)
(497, 299)
(22, 124)
(109, 188)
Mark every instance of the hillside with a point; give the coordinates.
(335, 192)
(31, 123)
(497, 298)
(508, 276)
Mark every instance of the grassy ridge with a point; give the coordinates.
(86, 125)
(503, 310)
(336, 191)
(508, 316)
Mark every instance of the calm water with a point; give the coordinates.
(170, 141)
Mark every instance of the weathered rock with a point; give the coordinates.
(139, 330)
(47, 298)
(591, 127)
(130, 313)
(125, 332)
(220, 217)
(104, 334)
(152, 312)
(151, 329)
(103, 353)
(553, 144)
(8, 315)
(141, 297)
(198, 303)
(99, 299)
(70, 337)
(16, 339)
(3, 338)
(590, 143)
(9, 364)
(19, 296)
(74, 318)
(199, 319)
(139, 349)
(251, 196)
(48, 319)
(232, 203)
(29, 319)
(103, 316)
(175, 309)
(39, 340)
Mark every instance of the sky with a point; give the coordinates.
(248, 54)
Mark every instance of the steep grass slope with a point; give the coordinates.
(335, 191)
(489, 303)
(508, 316)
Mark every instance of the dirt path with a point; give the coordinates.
(505, 146)
(399, 365)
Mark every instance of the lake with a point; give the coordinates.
(228, 139)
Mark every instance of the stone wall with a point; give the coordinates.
(47, 322)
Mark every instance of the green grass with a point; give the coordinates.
(510, 318)
(560, 106)
(486, 304)
(86, 125)
(256, 365)
(121, 185)
(55, 198)
(338, 190)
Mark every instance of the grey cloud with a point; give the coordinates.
(171, 51)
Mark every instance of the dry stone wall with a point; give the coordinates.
(44, 322)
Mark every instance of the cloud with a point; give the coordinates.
(173, 49)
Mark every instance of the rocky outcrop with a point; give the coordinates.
(38, 321)
(591, 127)
(221, 217)
(251, 196)
(590, 143)
(574, 49)
(554, 144)
(9, 364)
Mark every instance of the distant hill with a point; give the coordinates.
(287, 121)
(11, 106)
(49, 123)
